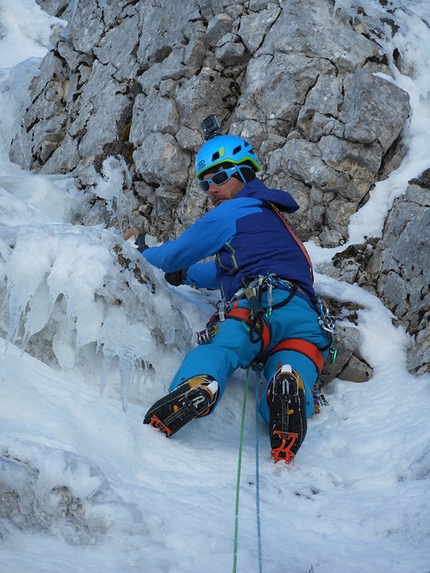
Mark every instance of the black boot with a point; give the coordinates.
(193, 398)
(287, 405)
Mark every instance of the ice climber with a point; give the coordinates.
(267, 315)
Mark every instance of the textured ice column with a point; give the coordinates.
(79, 269)
(88, 324)
(110, 186)
(110, 335)
(137, 343)
(26, 268)
(38, 314)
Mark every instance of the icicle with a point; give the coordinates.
(88, 325)
(68, 317)
(38, 314)
(15, 313)
(126, 364)
(107, 359)
(111, 333)
(74, 7)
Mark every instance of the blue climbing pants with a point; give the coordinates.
(231, 348)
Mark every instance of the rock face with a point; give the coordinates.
(404, 279)
(309, 88)
(136, 80)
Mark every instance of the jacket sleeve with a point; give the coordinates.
(202, 275)
(203, 239)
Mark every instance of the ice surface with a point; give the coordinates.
(109, 186)
(91, 288)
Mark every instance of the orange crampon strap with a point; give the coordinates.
(283, 452)
(305, 347)
(156, 423)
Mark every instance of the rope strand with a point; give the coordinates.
(239, 469)
(257, 475)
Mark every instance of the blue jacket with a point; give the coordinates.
(247, 236)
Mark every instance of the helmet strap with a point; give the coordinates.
(242, 177)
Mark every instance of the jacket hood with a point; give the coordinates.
(256, 189)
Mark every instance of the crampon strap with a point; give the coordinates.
(283, 452)
(158, 425)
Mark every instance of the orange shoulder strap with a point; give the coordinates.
(295, 237)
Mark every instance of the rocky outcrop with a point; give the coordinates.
(310, 88)
(402, 260)
(132, 80)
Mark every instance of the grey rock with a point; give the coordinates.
(171, 68)
(230, 50)
(315, 32)
(304, 161)
(53, 7)
(219, 26)
(118, 47)
(200, 96)
(162, 30)
(188, 139)
(331, 239)
(258, 5)
(408, 258)
(193, 206)
(356, 371)
(275, 88)
(86, 27)
(316, 117)
(159, 158)
(254, 27)
(418, 354)
(346, 341)
(374, 109)
(358, 164)
(152, 114)
(64, 159)
(195, 47)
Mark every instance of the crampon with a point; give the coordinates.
(192, 399)
(288, 424)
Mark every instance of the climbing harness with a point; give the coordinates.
(304, 347)
(256, 319)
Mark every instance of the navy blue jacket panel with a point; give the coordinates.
(248, 238)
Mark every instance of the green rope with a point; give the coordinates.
(239, 469)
